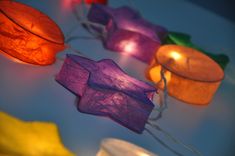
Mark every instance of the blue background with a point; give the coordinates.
(31, 93)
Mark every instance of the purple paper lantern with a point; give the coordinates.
(128, 31)
(103, 89)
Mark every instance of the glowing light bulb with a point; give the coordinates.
(175, 55)
(128, 46)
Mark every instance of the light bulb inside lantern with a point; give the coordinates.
(128, 46)
(175, 55)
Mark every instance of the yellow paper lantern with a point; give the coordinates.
(29, 138)
(116, 147)
(28, 35)
(192, 77)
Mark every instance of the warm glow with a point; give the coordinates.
(194, 81)
(155, 74)
(175, 55)
(128, 46)
(142, 154)
(12, 58)
(28, 35)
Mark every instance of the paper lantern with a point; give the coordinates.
(185, 40)
(116, 147)
(105, 90)
(127, 31)
(191, 76)
(18, 137)
(28, 35)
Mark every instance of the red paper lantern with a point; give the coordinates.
(28, 35)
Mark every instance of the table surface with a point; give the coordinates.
(31, 93)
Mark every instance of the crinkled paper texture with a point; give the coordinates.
(128, 32)
(28, 35)
(105, 90)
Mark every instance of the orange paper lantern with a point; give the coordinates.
(28, 35)
(191, 76)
